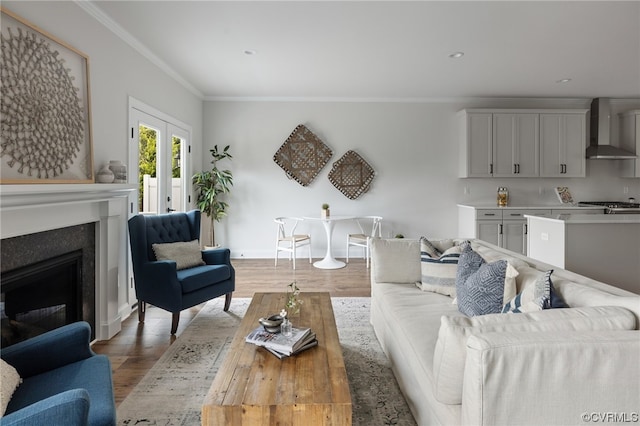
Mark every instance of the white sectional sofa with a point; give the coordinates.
(570, 366)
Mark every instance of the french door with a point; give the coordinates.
(159, 163)
(159, 159)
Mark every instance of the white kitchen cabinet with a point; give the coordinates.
(509, 143)
(563, 144)
(504, 227)
(630, 140)
(476, 141)
(515, 145)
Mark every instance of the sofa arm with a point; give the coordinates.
(218, 256)
(67, 408)
(51, 350)
(551, 378)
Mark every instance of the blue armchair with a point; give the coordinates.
(63, 381)
(159, 282)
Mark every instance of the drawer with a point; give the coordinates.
(489, 214)
(519, 213)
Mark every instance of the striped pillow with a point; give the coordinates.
(535, 297)
(439, 273)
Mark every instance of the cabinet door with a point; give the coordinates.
(562, 145)
(489, 231)
(515, 145)
(514, 235)
(479, 140)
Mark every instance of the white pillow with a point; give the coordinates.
(9, 382)
(395, 260)
(439, 273)
(186, 254)
(451, 353)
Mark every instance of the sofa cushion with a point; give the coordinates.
(450, 350)
(401, 260)
(9, 381)
(439, 273)
(479, 285)
(186, 254)
(535, 297)
(193, 279)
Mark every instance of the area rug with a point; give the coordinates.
(172, 392)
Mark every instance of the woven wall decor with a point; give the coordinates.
(302, 155)
(351, 175)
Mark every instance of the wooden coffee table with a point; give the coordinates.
(254, 387)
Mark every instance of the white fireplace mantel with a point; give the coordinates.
(27, 209)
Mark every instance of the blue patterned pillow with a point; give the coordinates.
(536, 297)
(479, 285)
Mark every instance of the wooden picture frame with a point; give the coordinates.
(45, 108)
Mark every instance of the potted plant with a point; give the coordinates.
(209, 185)
(324, 213)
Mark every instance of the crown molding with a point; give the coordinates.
(100, 16)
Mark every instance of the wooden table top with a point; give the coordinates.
(255, 387)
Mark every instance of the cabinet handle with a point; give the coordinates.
(491, 168)
(500, 229)
(489, 214)
(515, 169)
(518, 168)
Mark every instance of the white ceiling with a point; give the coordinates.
(389, 49)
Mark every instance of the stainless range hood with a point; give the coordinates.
(600, 140)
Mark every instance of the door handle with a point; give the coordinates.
(169, 210)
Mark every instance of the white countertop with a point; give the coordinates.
(489, 205)
(590, 218)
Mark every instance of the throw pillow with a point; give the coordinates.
(426, 247)
(479, 285)
(450, 352)
(402, 260)
(536, 297)
(439, 273)
(186, 254)
(10, 380)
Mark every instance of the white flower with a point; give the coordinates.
(283, 313)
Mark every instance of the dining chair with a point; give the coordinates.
(287, 239)
(370, 227)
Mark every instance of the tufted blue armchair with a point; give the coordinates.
(159, 282)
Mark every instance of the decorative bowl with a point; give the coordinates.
(272, 323)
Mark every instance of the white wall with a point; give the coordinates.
(413, 147)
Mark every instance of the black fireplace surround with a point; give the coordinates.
(48, 280)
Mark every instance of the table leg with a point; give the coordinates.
(329, 262)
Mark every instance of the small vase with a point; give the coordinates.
(324, 213)
(286, 328)
(119, 171)
(105, 175)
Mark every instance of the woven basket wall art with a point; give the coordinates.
(351, 175)
(302, 155)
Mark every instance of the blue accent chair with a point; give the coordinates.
(64, 381)
(159, 283)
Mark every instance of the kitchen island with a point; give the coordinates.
(604, 247)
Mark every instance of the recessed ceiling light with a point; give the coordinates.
(564, 80)
(250, 52)
(456, 55)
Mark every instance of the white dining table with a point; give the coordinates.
(329, 262)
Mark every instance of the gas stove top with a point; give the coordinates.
(614, 207)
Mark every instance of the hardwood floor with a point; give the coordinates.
(137, 347)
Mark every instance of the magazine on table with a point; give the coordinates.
(309, 342)
(278, 341)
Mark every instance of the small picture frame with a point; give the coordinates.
(46, 116)
(564, 195)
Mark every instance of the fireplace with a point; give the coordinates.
(48, 280)
(40, 297)
(40, 222)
